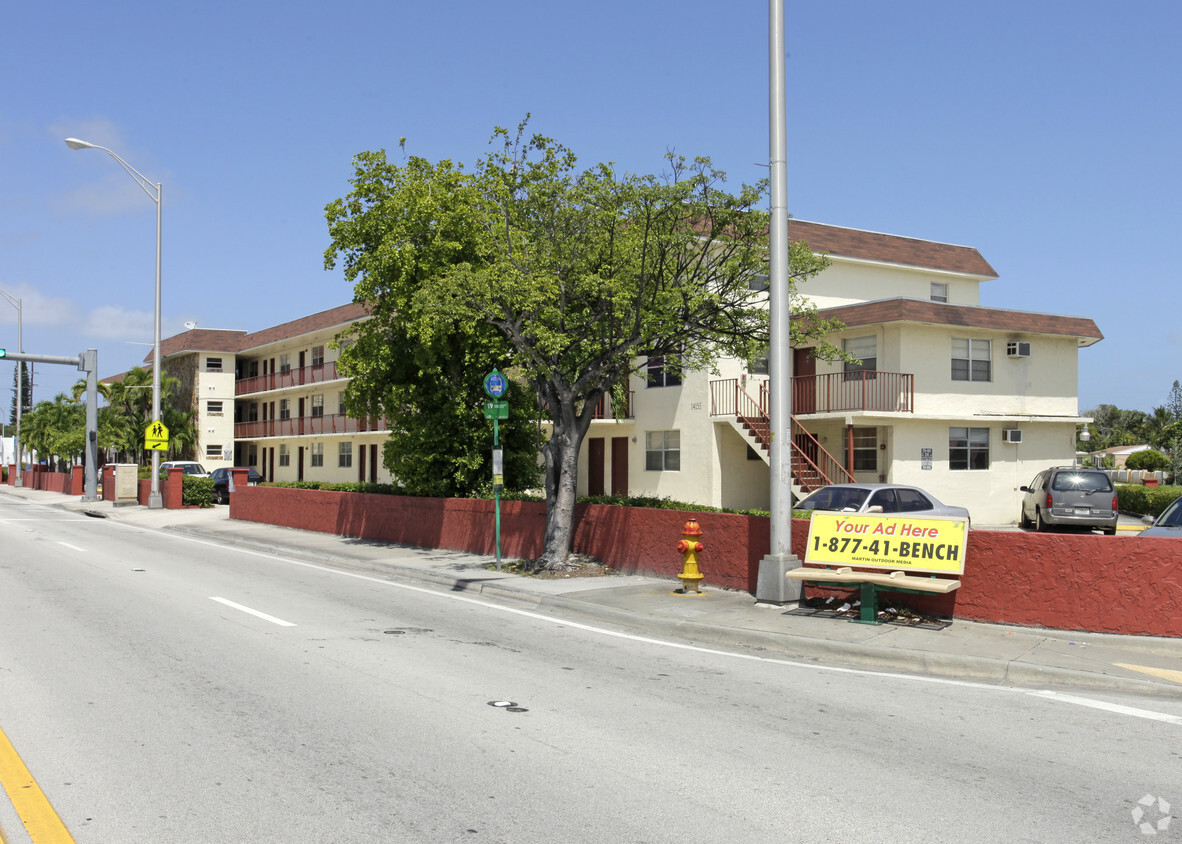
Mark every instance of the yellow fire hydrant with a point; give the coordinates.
(689, 546)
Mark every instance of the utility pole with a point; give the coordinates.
(772, 587)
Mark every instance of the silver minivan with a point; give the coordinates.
(1070, 496)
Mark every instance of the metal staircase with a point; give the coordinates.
(812, 466)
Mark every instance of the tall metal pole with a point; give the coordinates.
(20, 382)
(772, 587)
(155, 502)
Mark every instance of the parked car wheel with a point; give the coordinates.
(1039, 524)
(1023, 522)
(1109, 531)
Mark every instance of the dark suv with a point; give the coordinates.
(1069, 496)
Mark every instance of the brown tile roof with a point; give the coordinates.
(200, 340)
(220, 340)
(891, 249)
(939, 313)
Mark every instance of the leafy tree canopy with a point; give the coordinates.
(579, 275)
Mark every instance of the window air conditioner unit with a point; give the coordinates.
(1011, 435)
(1014, 349)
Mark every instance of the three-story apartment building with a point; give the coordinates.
(274, 400)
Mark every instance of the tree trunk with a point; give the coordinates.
(561, 454)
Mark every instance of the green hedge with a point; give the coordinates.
(1145, 500)
(197, 492)
(616, 500)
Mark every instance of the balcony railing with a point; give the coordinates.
(290, 378)
(307, 425)
(604, 409)
(866, 390)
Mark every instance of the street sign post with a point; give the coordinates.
(495, 386)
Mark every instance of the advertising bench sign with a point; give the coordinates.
(922, 544)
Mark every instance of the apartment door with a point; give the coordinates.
(300, 464)
(301, 375)
(595, 457)
(301, 415)
(619, 466)
(373, 463)
(804, 381)
(361, 464)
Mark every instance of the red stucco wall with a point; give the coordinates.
(1069, 581)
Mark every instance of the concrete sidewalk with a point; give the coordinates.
(1020, 656)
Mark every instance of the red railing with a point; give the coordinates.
(812, 465)
(866, 390)
(307, 425)
(291, 378)
(604, 409)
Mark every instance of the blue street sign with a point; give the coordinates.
(495, 384)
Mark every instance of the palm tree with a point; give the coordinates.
(128, 413)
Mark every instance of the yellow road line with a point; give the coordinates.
(39, 818)
(1163, 673)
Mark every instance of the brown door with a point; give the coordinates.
(361, 464)
(595, 466)
(300, 464)
(804, 381)
(373, 463)
(300, 415)
(619, 466)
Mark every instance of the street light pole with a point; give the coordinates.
(155, 192)
(772, 587)
(20, 383)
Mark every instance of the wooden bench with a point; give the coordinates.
(873, 582)
(926, 546)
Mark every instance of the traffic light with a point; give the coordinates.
(1, 353)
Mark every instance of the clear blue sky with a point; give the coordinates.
(1045, 134)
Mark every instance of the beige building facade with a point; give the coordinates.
(273, 400)
(964, 401)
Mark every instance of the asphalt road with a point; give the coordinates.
(162, 689)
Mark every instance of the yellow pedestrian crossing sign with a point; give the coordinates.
(156, 437)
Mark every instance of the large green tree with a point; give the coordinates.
(583, 274)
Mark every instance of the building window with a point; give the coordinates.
(285, 362)
(317, 356)
(345, 454)
(214, 408)
(865, 450)
(664, 371)
(971, 360)
(968, 448)
(284, 456)
(341, 403)
(662, 451)
(285, 408)
(939, 291)
(317, 454)
(758, 366)
(318, 405)
(213, 364)
(214, 452)
(865, 350)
